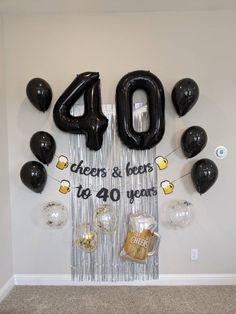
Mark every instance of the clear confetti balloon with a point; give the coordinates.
(86, 238)
(55, 215)
(105, 219)
(179, 213)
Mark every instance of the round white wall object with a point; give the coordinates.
(221, 152)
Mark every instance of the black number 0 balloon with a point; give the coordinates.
(148, 82)
(92, 123)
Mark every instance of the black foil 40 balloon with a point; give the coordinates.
(43, 146)
(148, 82)
(93, 122)
(204, 174)
(193, 140)
(34, 176)
(39, 93)
(184, 95)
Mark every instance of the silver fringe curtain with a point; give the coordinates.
(105, 264)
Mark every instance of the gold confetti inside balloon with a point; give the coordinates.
(86, 238)
(105, 219)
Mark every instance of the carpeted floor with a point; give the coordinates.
(122, 300)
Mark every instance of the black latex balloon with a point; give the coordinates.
(148, 82)
(193, 140)
(43, 146)
(39, 93)
(184, 95)
(204, 174)
(34, 176)
(92, 123)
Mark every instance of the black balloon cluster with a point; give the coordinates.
(204, 172)
(93, 123)
(33, 174)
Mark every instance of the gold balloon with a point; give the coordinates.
(86, 238)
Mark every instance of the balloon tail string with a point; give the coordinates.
(46, 124)
(186, 174)
(172, 152)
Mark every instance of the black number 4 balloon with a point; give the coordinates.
(93, 122)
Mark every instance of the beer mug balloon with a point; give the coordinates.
(141, 241)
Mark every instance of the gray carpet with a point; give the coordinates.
(125, 300)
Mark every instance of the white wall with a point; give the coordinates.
(200, 45)
(6, 271)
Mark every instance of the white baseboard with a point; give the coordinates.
(164, 280)
(9, 285)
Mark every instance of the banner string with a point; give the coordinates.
(51, 177)
(186, 174)
(173, 151)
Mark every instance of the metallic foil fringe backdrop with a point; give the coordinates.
(105, 264)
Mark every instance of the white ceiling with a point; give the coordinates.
(98, 6)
